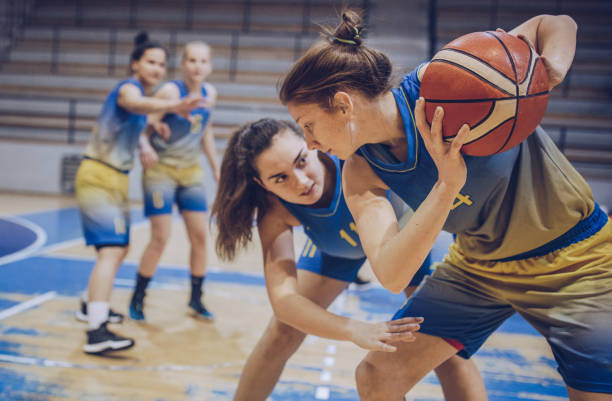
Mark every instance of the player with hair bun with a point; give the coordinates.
(102, 183)
(530, 238)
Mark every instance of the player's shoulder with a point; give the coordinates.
(357, 173)
(277, 212)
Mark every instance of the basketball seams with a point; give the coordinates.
(474, 71)
(516, 83)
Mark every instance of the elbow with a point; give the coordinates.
(568, 23)
(390, 283)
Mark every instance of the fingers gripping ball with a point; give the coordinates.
(494, 82)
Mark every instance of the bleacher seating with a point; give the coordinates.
(72, 52)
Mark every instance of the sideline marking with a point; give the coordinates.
(27, 304)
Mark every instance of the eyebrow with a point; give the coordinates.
(294, 161)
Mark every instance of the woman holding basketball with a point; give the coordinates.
(102, 183)
(172, 173)
(268, 172)
(530, 238)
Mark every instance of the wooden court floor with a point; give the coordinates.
(44, 266)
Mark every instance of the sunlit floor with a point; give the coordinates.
(44, 265)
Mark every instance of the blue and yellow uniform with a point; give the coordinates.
(530, 239)
(333, 248)
(178, 176)
(102, 179)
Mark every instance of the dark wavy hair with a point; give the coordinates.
(142, 43)
(239, 197)
(339, 61)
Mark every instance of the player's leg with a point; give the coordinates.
(459, 377)
(457, 317)
(191, 201)
(161, 226)
(158, 188)
(321, 279)
(102, 197)
(280, 341)
(197, 230)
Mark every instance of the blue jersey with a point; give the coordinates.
(502, 192)
(332, 228)
(115, 136)
(184, 146)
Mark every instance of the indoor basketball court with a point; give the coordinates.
(179, 357)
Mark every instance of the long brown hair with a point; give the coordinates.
(239, 197)
(340, 61)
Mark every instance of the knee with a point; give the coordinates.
(159, 240)
(365, 376)
(198, 238)
(284, 338)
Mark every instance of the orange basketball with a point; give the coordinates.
(494, 82)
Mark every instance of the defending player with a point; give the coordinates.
(268, 172)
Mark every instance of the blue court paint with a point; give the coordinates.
(15, 237)
(19, 331)
(16, 386)
(7, 303)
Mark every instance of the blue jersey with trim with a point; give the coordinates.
(332, 228)
(511, 203)
(183, 148)
(115, 136)
(487, 178)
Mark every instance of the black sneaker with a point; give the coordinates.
(113, 317)
(359, 281)
(199, 309)
(137, 306)
(101, 340)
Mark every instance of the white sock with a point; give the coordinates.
(97, 313)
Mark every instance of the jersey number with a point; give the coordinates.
(345, 236)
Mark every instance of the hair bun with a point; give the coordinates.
(350, 30)
(141, 38)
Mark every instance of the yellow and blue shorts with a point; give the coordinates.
(165, 185)
(102, 196)
(566, 295)
(343, 269)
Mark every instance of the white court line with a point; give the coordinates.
(41, 238)
(322, 393)
(27, 304)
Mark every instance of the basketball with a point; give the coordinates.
(493, 81)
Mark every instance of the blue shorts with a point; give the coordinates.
(165, 185)
(343, 269)
(566, 295)
(102, 196)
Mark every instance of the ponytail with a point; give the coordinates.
(239, 197)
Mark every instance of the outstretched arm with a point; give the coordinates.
(130, 98)
(296, 310)
(554, 38)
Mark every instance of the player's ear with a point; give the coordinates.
(343, 103)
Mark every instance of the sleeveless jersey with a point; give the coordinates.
(183, 148)
(115, 136)
(332, 228)
(512, 202)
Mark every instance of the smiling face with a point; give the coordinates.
(327, 131)
(196, 64)
(150, 69)
(290, 171)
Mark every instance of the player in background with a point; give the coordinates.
(268, 173)
(173, 174)
(530, 238)
(102, 183)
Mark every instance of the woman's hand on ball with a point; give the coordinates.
(447, 156)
